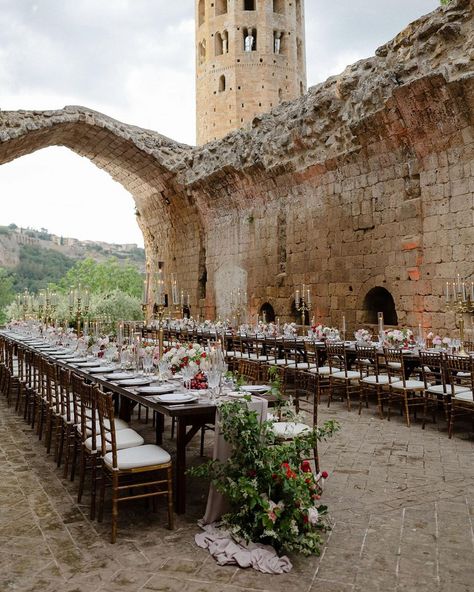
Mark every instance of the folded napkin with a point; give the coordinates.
(226, 551)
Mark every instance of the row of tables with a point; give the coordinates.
(189, 417)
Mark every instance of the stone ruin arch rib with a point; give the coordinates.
(143, 162)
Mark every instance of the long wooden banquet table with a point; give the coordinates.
(190, 417)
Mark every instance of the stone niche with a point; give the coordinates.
(365, 182)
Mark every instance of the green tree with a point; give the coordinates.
(7, 294)
(444, 2)
(39, 267)
(104, 277)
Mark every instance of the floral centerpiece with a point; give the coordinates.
(290, 329)
(324, 332)
(363, 337)
(272, 491)
(399, 337)
(438, 341)
(184, 354)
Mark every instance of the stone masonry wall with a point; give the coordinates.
(367, 180)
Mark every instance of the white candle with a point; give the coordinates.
(343, 323)
(464, 291)
(447, 291)
(309, 297)
(297, 298)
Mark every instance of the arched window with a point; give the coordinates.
(279, 6)
(202, 52)
(267, 313)
(222, 83)
(221, 7)
(301, 88)
(201, 11)
(280, 94)
(250, 39)
(299, 52)
(219, 49)
(380, 300)
(298, 12)
(277, 42)
(249, 4)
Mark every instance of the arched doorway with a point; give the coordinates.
(380, 300)
(267, 313)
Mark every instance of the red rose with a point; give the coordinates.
(274, 476)
(203, 355)
(306, 466)
(305, 519)
(324, 474)
(252, 473)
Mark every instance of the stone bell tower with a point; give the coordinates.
(250, 56)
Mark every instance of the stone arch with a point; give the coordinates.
(377, 300)
(140, 160)
(268, 311)
(222, 83)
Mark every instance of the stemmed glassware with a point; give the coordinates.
(188, 374)
(147, 363)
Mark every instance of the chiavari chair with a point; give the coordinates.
(409, 392)
(372, 377)
(460, 374)
(341, 377)
(130, 470)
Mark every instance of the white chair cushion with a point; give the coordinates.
(396, 365)
(463, 374)
(349, 375)
(410, 385)
(289, 429)
(280, 362)
(140, 456)
(440, 389)
(301, 365)
(125, 439)
(381, 379)
(323, 370)
(465, 396)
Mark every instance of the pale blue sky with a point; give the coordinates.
(134, 60)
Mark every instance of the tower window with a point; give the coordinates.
(299, 52)
(279, 6)
(301, 88)
(249, 4)
(221, 43)
(201, 12)
(298, 12)
(280, 95)
(222, 83)
(221, 7)
(250, 39)
(202, 52)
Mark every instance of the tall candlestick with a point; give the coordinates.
(309, 297)
(447, 291)
(297, 298)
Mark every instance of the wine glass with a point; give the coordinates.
(188, 374)
(214, 380)
(147, 362)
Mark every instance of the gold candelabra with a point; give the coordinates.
(79, 300)
(238, 305)
(303, 305)
(460, 301)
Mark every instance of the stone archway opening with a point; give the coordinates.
(377, 300)
(267, 313)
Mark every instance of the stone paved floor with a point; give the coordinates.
(401, 502)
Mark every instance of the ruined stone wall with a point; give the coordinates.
(366, 181)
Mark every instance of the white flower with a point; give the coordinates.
(313, 516)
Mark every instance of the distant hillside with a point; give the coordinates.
(13, 238)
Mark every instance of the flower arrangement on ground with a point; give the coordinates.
(272, 491)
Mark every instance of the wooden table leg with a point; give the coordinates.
(126, 408)
(181, 465)
(159, 427)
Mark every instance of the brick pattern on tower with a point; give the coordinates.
(250, 57)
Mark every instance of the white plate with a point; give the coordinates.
(158, 389)
(255, 388)
(101, 370)
(75, 360)
(237, 395)
(120, 376)
(87, 364)
(176, 398)
(135, 381)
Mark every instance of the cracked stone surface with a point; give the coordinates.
(401, 502)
